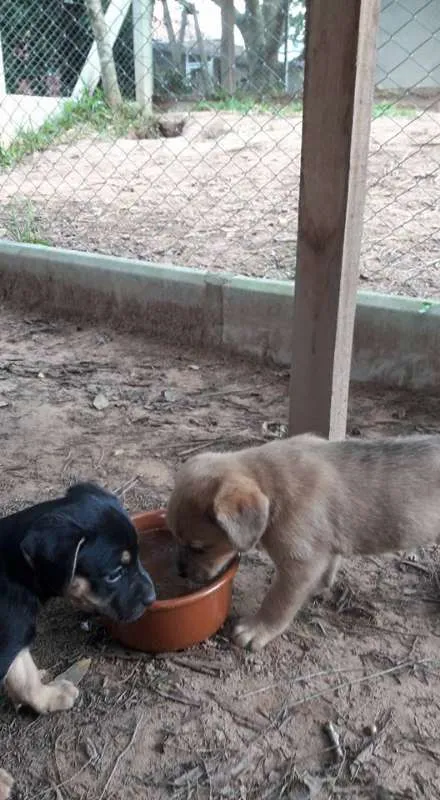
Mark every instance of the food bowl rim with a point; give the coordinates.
(192, 597)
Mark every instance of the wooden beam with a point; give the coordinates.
(143, 53)
(338, 98)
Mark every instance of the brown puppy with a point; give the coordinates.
(308, 502)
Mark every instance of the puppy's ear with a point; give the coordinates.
(242, 511)
(50, 548)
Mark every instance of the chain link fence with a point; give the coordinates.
(211, 178)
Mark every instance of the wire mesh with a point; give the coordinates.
(210, 179)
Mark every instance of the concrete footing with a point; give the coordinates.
(397, 339)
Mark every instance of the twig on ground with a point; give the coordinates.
(243, 406)
(126, 656)
(375, 742)
(415, 565)
(177, 697)
(242, 717)
(249, 391)
(66, 463)
(62, 784)
(196, 665)
(203, 446)
(286, 712)
(335, 740)
(304, 678)
(192, 775)
(260, 690)
(126, 486)
(220, 440)
(121, 755)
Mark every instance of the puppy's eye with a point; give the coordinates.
(115, 576)
(196, 548)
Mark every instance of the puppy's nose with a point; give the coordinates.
(148, 594)
(147, 590)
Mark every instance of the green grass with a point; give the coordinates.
(246, 105)
(392, 110)
(21, 223)
(90, 113)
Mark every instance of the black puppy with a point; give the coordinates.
(82, 546)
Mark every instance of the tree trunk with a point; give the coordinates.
(274, 15)
(227, 56)
(174, 45)
(254, 39)
(110, 85)
(182, 29)
(262, 25)
(204, 69)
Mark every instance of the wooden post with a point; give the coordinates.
(143, 53)
(227, 50)
(338, 98)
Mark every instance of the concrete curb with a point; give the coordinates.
(397, 339)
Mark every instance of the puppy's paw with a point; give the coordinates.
(60, 696)
(6, 784)
(252, 634)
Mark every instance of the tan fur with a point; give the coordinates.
(79, 592)
(6, 784)
(24, 687)
(307, 502)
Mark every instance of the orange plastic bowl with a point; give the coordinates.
(180, 622)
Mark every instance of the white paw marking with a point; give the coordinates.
(252, 634)
(62, 695)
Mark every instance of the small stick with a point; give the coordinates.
(416, 565)
(335, 740)
(196, 665)
(64, 783)
(126, 486)
(121, 756)
(136, 656)
(363, 679)
(67, 461)
(204, 445)
(219, 440)
(240, 716)
(259, 691)
(178, 698)
(325, 673)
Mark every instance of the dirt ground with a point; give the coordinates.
(213, 722)
(224, 196)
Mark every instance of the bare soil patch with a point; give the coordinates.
(213, 722)
(224, 196)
